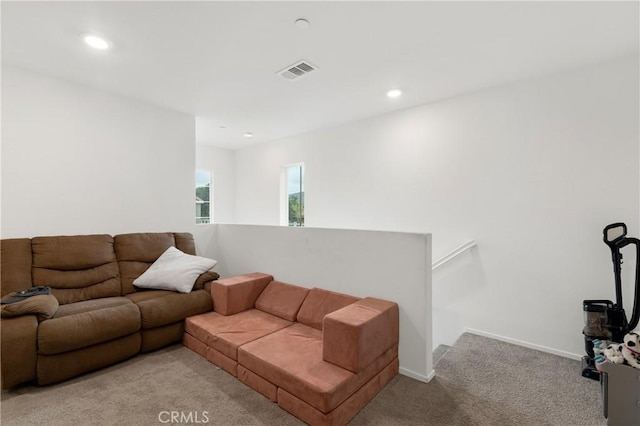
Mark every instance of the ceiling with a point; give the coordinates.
(219, 60)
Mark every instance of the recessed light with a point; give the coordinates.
(248, 135)
(302, 23)
(394, 93)
(96, 42)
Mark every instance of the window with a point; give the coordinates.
(294, 186)
(204, 196)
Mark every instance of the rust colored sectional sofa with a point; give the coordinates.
(320, 355)
(101, 318)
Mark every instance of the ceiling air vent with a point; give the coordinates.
(297, 70)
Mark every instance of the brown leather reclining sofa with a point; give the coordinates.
(102, 318)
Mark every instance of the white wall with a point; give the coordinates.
(77, 160)
(532, 171)
(387, 265)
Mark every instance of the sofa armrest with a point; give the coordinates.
(19, 350)
(354, 336)
(239, 293)
(204, 280)
(43, 306)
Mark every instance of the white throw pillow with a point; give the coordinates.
(174, 270)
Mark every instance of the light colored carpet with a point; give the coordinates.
(479, 381)
(439, 353)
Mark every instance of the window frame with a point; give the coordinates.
(210, 201)
(284, 193)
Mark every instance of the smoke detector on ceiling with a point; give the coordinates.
(297, 70)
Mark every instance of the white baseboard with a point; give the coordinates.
(525, 344)
(417, 376)
(431, 375)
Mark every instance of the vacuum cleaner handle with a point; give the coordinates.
(614, 233)
(635, 316)
(613, 236)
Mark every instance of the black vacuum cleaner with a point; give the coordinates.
(605, 320)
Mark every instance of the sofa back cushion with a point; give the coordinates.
(15, 259)
(282, 300)
(76, 268)
(185, 242)
(319, 303)
(136, 252)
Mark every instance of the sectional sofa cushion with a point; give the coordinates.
(15, 264)
(90, 305)
(239, 293)
(141, 296)
(319, 303)
(185, 242)
(79, 330)
(226, 333)
(167, 307)
(256, 382)
(282, 300)
(356, 335)
(228, 364)
(76, 268)
(136, 252)
(292, 360)
(347, 409)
